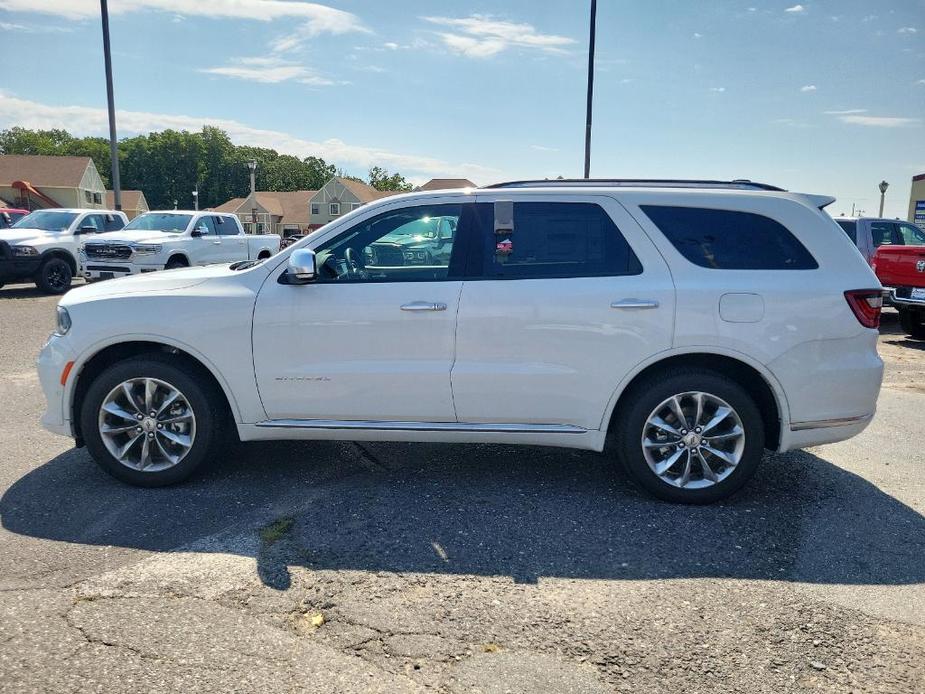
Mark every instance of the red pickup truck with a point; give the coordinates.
(896, 252)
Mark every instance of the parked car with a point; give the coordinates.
(693, 324)
(10, 215)
(896, 252)
(42, 246)
(289, 239)
(164, 240)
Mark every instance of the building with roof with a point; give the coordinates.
(34, 181)
(447, 183)
(339, 196)
(917, 201)
(265, 212)
(133, 202)
(300, 211)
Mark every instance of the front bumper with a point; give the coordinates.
(52, 361)
(19, 268)
(99, 270)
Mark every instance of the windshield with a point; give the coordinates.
(153, 221)
(46, 220)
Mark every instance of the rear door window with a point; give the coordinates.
(882, 234)
(226, 226)
(558, 239)
(730, 239)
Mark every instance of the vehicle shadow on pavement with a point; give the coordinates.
(487, 510)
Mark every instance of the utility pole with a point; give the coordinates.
(113, 142)
(590, 89)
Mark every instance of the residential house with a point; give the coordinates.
(339, 196)
(33, 181)
(133, 202)
(446, 184)
(266, 212)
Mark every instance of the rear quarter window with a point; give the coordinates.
(730, 239)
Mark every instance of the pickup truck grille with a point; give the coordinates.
(108, 251)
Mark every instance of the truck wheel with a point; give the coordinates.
(912, 323)
(174, 263)
(54, 276)
(149, 423)
(690, 436)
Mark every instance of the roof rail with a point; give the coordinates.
(737, 184)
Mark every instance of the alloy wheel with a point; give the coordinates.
(147, 424)
(693, 440)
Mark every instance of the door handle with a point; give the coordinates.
(424, 306)
(635, 303)
(217, 243)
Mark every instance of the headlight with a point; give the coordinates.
(24, 250)
(64, 321)
(146, 248)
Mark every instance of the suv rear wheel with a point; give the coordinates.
(146, 422)
(690, 436)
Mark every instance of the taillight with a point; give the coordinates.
(866, 304)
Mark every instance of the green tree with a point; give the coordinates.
(380, 179)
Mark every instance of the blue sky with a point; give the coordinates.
(825, 96)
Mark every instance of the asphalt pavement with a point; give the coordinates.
(328, 566)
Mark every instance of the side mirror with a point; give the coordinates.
(86, 230)
(196, 233)
(302, 268)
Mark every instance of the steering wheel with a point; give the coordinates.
(356, 267)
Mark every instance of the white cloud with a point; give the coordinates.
(83, 120)
(698, 35)
(790, 122)
(879, 121)
(542, 148)
(848, 112)
(922, 82)
(483, 36)
(808, 88)
(391, 45)
(315, 18)
(796, 9)
(907, 30)
(269, 71)
(34, 28)
(717, 90)
(322, 17)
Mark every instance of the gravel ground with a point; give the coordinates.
(393, 568)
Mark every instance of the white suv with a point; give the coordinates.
(696, 323)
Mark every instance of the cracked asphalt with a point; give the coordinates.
(345, 567)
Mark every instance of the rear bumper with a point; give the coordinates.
(817, 433)
(901, 296)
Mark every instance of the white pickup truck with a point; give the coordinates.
(42, 246)
(163, 240)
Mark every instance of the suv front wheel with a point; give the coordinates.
(690, 436)
(147, 422)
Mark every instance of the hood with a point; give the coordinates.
(146, 283)
(132, 236)
(22, 235)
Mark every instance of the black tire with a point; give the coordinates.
(912, 323)
(645, 397)
(174, 263)
(206, 404)
(54, 276)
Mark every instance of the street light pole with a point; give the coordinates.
(113, 143)
(883, 186)
(196, 198)
(252, 165)
(590, 89)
